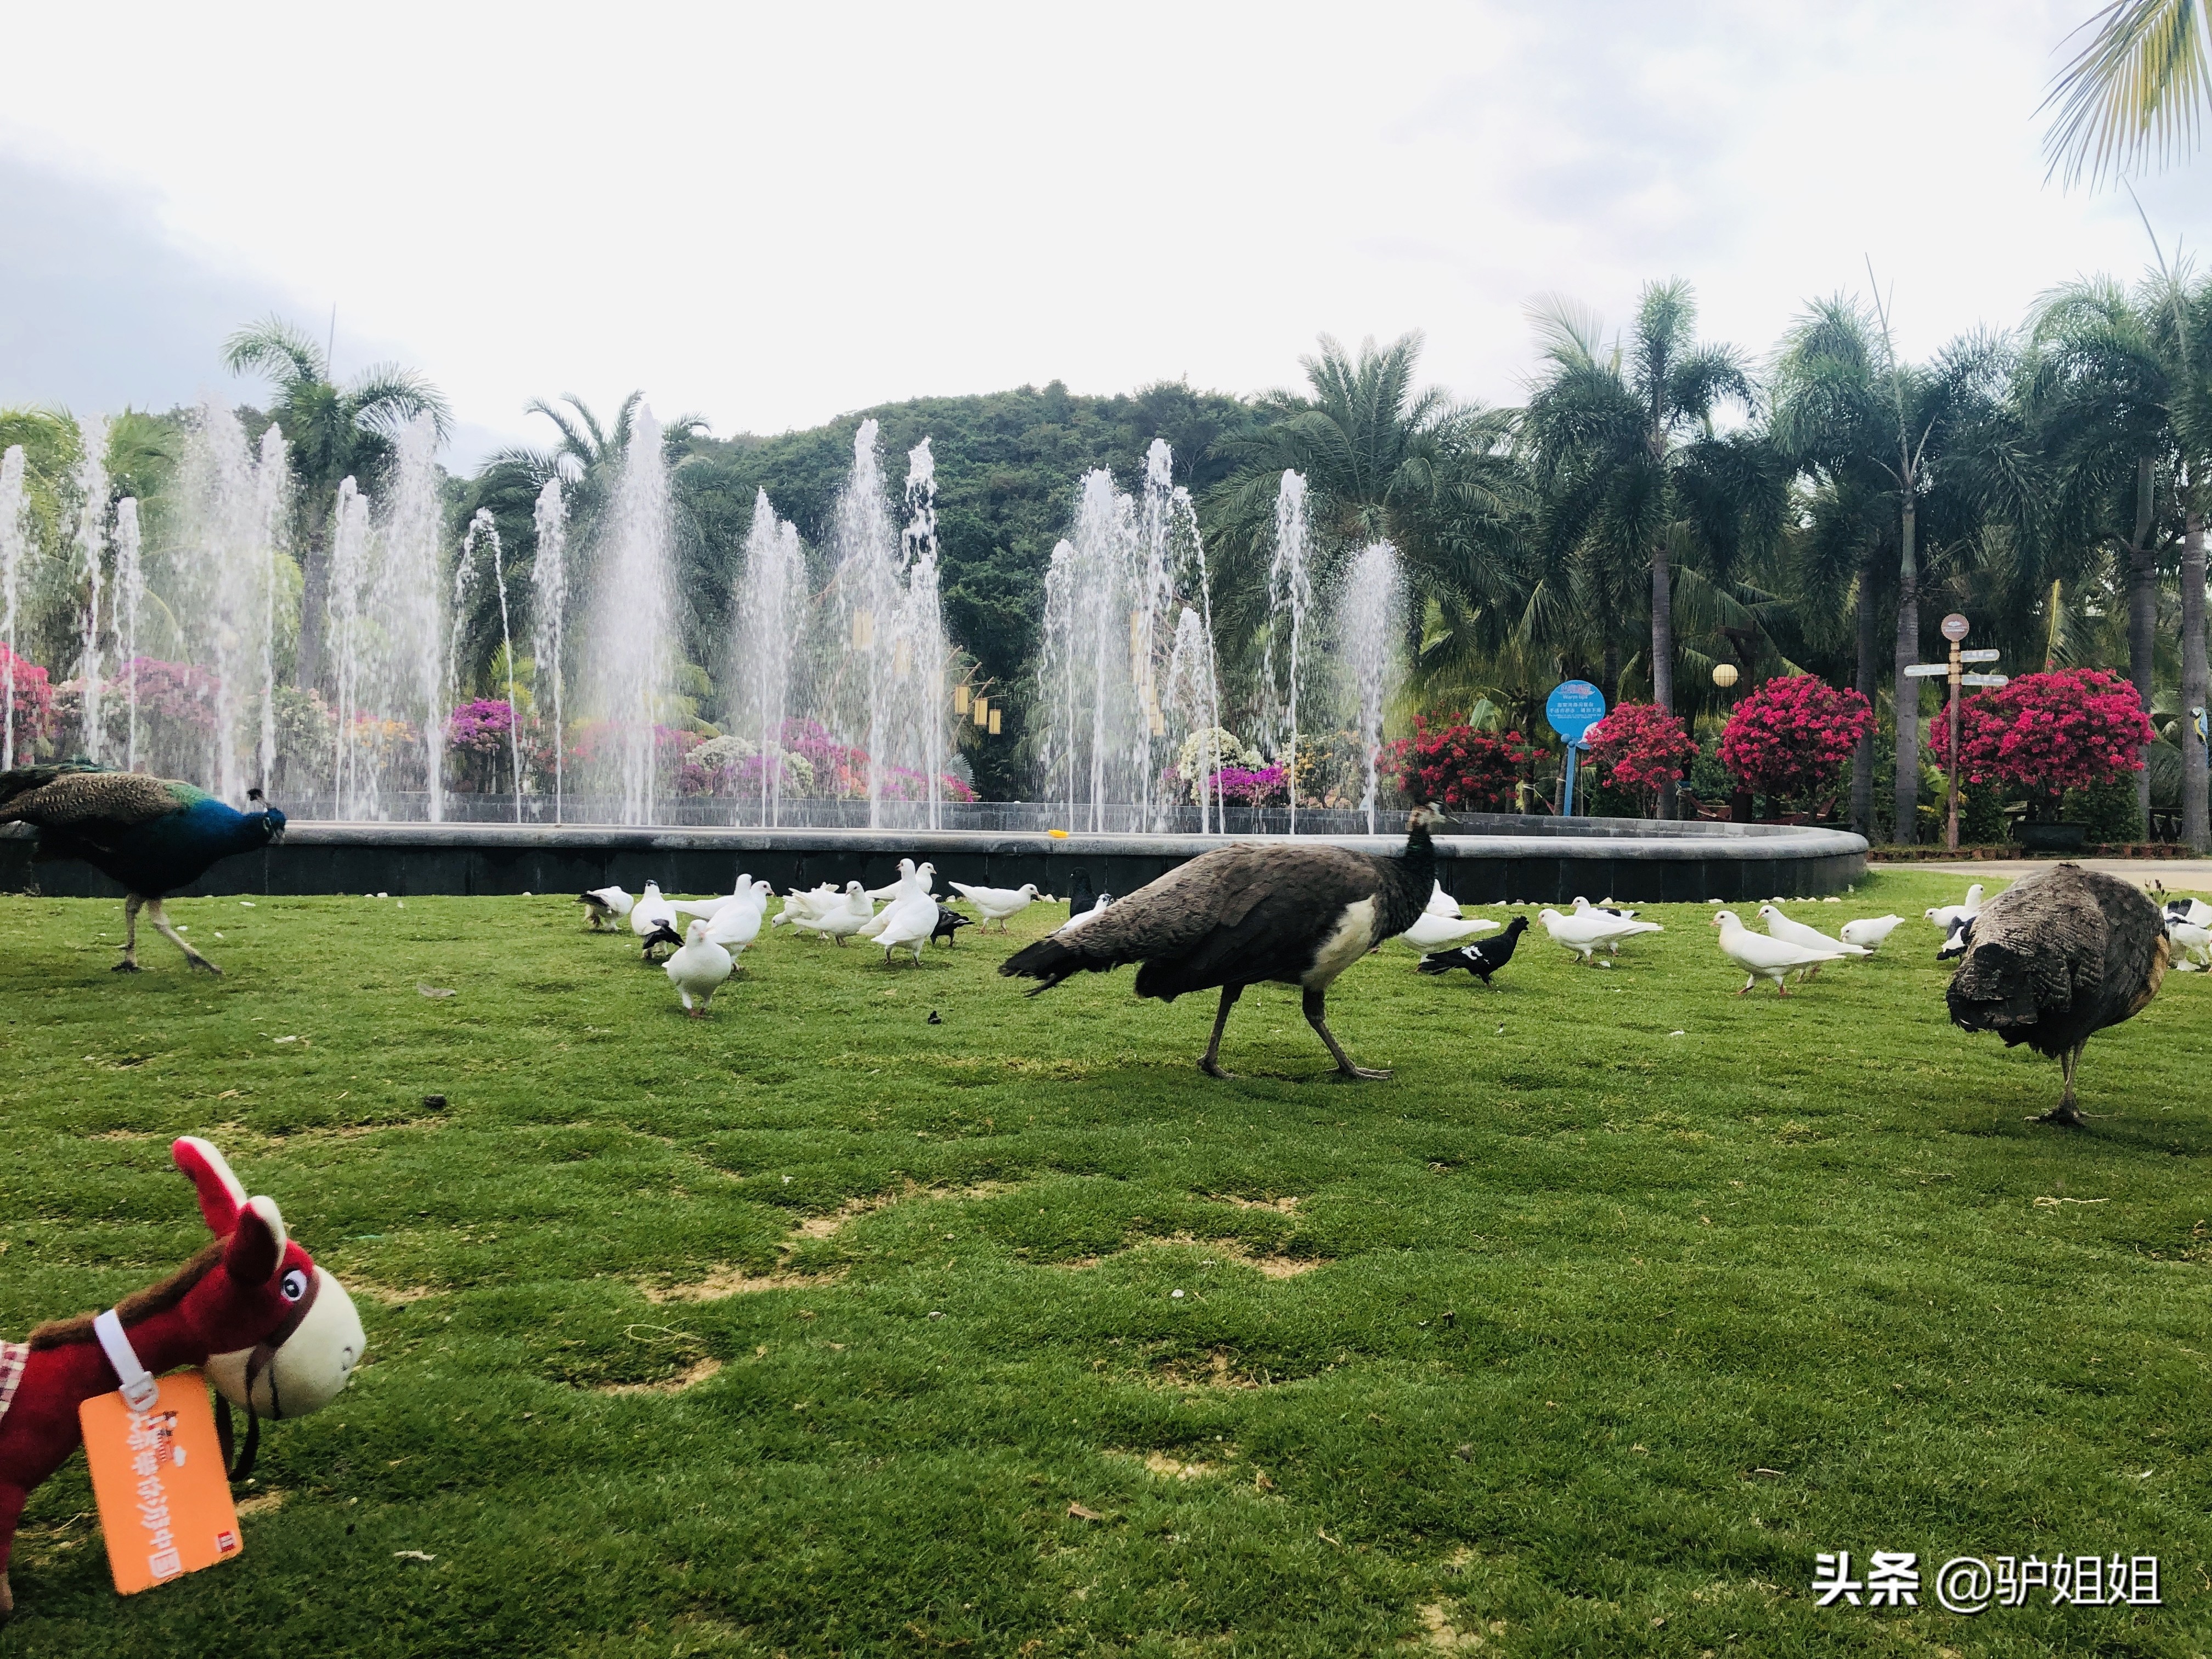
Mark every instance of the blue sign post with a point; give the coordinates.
(1573, 708)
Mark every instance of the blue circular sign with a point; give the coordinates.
(1573, 708)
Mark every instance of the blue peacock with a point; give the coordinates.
(152, 834)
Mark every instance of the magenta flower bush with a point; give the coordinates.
(1790, 737)
(480, 727)
(2072, 728)
(1255, 786)
(1641, 746)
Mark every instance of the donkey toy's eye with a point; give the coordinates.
(294, 1284)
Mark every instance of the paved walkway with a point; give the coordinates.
(2178, 875)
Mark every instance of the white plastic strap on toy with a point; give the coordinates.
(139, 1389)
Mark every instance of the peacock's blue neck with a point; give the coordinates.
(222, 828)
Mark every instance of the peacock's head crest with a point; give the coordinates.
(270, 821)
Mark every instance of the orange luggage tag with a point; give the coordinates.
(157, 1472)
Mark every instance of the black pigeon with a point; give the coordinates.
(663, 934)
(1958, 941)
(949, 922)
(1483, 958)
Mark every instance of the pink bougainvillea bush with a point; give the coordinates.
(1640, 746)
(1790, 737)
(480, 727)
(2072, 728)
(35, 700)
(1254, 785)
(1450, 764)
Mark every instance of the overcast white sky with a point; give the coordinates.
(772, 214)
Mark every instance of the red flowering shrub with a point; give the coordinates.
(1453, 766)
(1640, 746)
(1790, 737)
(35, 700)
(2069, 729)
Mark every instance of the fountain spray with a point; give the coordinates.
(771, 588)
(548, 579)
(130, 583)
(91, 547)
(1290, 589)
(1368, 612)
(272, 483)
(11, 561)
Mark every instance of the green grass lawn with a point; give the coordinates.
(813, 1327)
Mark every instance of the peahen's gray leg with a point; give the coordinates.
(1211, 1064)
(130, 963)
(1316, 1007)
(155, 914)
(2066, 1111)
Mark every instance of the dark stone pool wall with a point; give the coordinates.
(1489, 859)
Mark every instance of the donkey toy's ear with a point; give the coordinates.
(221, 1196)
(255, 1250)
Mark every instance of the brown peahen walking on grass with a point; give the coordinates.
(1257, 912)
(2055, 959)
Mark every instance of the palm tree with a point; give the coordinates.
(2182, 327)
(332, 432)
(586, 457)
(1830, 420)
(1613, 433)
(2136, 89)
(1384, 460)
(2100, 389)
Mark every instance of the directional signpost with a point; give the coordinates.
(1955, 629)
(1573, 708)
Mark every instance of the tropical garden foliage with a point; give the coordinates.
(1663, 506)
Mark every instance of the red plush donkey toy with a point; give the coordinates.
(276, 1333)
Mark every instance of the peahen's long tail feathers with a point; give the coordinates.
(1052, 961)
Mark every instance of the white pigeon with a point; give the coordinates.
(651, 914)
(1796, 933)
(2192, 941)
(1761, 956)
(1431, 931)
(738, 923)
(1588, 931)
(707, 910)
(909, 919)
(1442, 903)
(1583, 906)
(1947, 916)
(998, 903)
(902, 886)
(1096, 910)
(698, 969)
(1870, 931)
(605, 904)
(844, 920)
(913, 883)
(807, 907)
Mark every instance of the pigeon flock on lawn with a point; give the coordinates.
(1255, 912)
(2049, 962)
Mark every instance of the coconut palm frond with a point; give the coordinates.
(285, 352)
(2135, 92)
